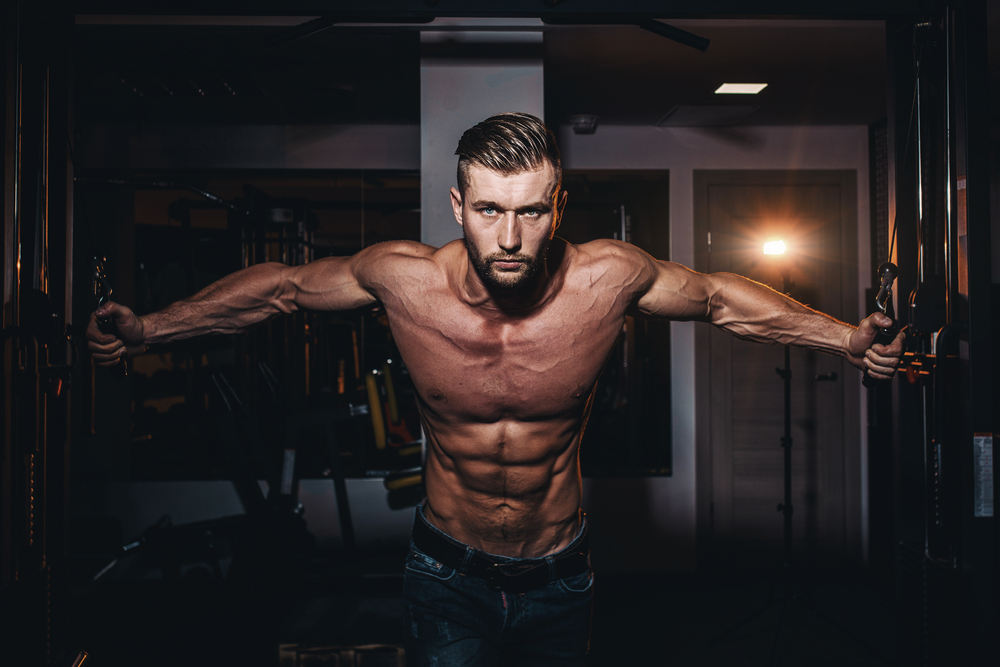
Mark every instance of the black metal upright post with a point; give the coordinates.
(789, 576)
(978, 536)
(946, 585)
(786, 442)
(35, 362)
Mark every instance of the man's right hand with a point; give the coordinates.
(107, 349)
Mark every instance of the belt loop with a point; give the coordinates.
(465, 559)
(551, 562)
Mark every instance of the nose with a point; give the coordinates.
(509, 236)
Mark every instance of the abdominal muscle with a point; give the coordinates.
(508, 488)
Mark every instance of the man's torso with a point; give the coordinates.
(503, 396)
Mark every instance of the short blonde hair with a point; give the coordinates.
(508, 143)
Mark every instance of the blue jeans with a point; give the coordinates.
(456, 620)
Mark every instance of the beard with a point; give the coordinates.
(494, 278)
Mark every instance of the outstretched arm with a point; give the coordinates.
(756, 312)
(248, 297)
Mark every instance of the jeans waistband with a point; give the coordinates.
(514, 575)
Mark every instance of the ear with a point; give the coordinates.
(456, 205)
(560, 209)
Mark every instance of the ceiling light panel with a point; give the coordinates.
(740, 88)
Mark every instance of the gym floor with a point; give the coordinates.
(137, 619)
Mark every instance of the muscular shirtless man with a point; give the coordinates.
(505, 335)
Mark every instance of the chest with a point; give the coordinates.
(481, 368)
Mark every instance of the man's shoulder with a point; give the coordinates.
(400, 250)
(603, 255)
(608, 264)
(395, 259)
(399, 256)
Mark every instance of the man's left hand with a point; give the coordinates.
(880, 360)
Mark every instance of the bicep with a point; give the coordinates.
(331, 283)
(343, 283)
(675, 292)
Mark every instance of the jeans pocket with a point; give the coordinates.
(581, 583)
(420, 563)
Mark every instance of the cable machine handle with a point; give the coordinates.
(102, 294)
(887, 275)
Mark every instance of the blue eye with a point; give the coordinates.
(489, 210)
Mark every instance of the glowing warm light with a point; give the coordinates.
(774, 248)
(740, 88)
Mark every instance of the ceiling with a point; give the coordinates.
(236, 70)
(818, 72)
(263, 69)
(228, 74)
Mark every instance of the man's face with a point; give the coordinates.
(508, 222)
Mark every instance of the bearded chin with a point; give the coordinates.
(494, 278)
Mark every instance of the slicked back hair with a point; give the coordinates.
(508, 143)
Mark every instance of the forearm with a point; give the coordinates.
(229, 305)
(758, 313)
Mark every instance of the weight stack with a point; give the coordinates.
(933, 609)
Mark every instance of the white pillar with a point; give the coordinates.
(468, 73)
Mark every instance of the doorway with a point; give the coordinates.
(740, 423)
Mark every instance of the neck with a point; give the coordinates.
(521, 299)
(507, 300)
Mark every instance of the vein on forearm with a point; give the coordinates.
(230, 305)
(755, 312)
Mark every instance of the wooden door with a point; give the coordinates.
(741, 407)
